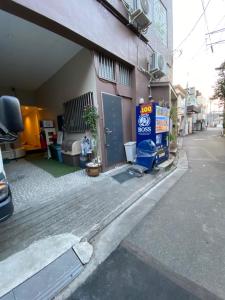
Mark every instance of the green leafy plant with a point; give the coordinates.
(173, 117)
(172, 137)
(90, 117)
(219, 91)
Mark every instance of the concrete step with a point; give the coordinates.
(166, 164)
(173, 151)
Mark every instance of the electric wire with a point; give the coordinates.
(216, 31)
(193, 28)
(206, 23)
(218, 42)
(197, 52)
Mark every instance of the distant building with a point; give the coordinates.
(215, 113)
(180, 107)
(196, 106)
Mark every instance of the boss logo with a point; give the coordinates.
(144, 129)
(144, 120)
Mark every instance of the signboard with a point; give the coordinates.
(146, 109)
(162, 119)
(152, 124)
(144, 120)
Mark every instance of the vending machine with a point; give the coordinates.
(152, 124)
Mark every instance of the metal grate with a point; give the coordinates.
(124, 75)
(106, 68)
(73, 113)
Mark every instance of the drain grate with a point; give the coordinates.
(124, 176)
(47, 283)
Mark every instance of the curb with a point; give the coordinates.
(180, 159)
(97, 228)
(180, 165)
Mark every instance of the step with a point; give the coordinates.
(166, 164)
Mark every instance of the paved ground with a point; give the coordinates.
(80, 212)
(181, 242)
(32, 186)
(125, 276)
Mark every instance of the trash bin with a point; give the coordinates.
(130, 149)
(146, 154)
(55, 150)
(83, 161)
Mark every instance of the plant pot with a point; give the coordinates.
(93, 169)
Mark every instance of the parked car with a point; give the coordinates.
(10, 124)
(6, 204)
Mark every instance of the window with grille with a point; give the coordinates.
(73, 113)
(124, 75)
(160, 22)
(106, 68)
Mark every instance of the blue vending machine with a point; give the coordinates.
(152, 124)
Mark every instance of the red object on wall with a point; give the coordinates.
(43, 140)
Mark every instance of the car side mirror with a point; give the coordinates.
(10, 115)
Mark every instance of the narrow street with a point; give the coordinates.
(178, 250)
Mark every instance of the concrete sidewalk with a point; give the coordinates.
(77, 217)
(83, 213)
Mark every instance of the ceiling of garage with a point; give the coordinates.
(29, 54)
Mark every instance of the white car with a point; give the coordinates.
(6, 204)
(10, 124)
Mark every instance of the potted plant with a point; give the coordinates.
(90, 117)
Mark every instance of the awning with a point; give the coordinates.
(193, 109)
(171, 93)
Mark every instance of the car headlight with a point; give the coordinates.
(4, 189)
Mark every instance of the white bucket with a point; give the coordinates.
(130, 149)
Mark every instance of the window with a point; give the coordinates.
(73, 113)
(124, 75)
(159, 17)
(106, 68)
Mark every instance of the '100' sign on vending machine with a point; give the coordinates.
(152, 123)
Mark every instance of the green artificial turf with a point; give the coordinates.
(53, 167)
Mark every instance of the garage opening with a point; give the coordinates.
(54, 79)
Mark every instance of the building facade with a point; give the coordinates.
(108, 63)
(181, 94)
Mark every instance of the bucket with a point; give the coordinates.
(83, 161)
(130, 149)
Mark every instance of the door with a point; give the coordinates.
(113, 129)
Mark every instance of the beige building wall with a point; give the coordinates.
(75, 78)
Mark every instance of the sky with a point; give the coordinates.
(196, 65)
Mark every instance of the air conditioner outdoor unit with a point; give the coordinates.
(139, 13)
(158, 66)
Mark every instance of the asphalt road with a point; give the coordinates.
(178, 250)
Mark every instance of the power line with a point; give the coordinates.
(216, 31)
(206, 23)
(218, 42)
(194, 26)
(197, 52)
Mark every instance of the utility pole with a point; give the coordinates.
(210, 112)
(185, 111)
